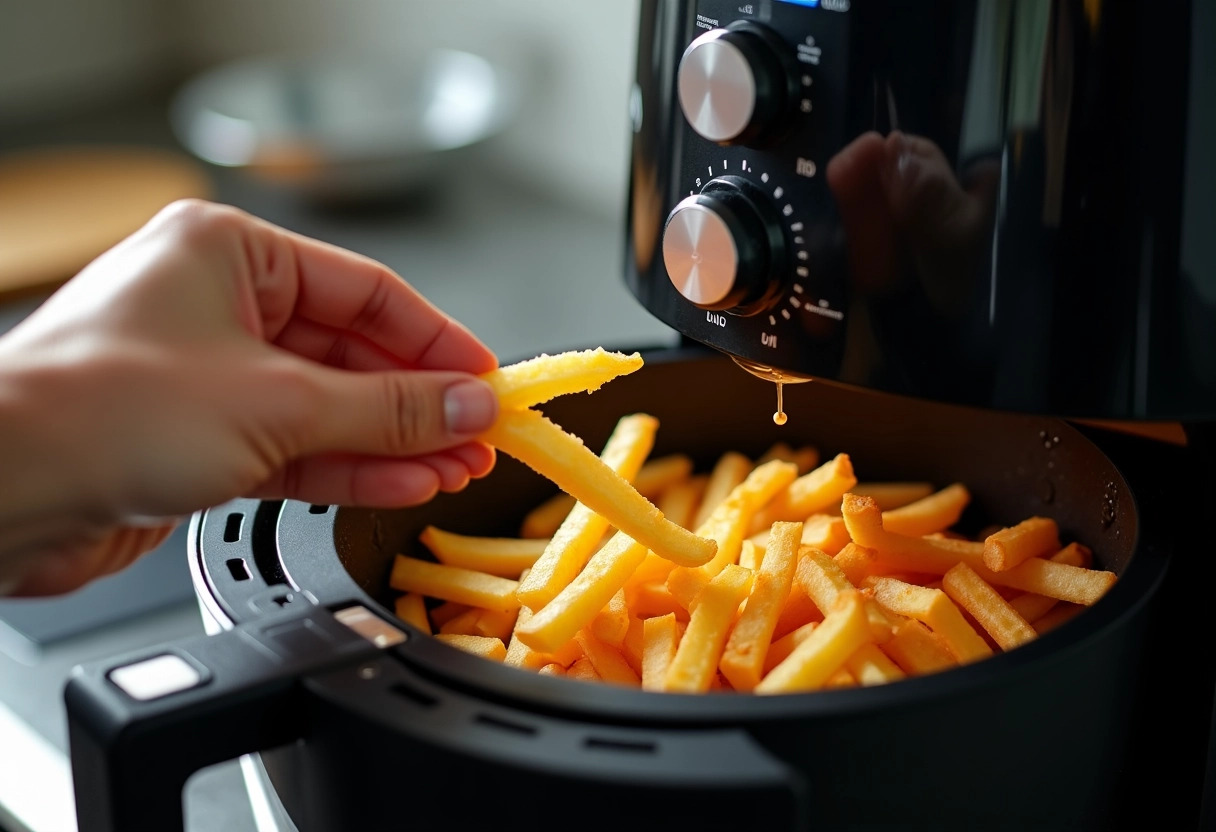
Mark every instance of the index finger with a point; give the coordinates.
(353, 293)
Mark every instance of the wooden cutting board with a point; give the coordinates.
(60, 207)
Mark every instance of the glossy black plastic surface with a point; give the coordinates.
(1009, 205)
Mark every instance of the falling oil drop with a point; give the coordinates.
(779, 417)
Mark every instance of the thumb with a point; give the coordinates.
(396, 413)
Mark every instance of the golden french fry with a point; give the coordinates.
(1032, 607)
(933, 607)
(994, 614)
(1032, 538)
(411, 608)
(653, 598)
(451, 583)
(487, 648)
(659, 474)
(660, 637)
(782, 647)
(544, 520)
(546, 448)
(607, 660)
(743, 659)
(552, 670)
(826, 533)
(505, 557)
(582, 599)
(918, 650)
(464, 624)
(583, 671)
(696, 660)
(810, 493)
(545, 377)
(679, 501)
(896, 552)
(1056, 616)
(611, 624)
(446, 611)
(578, 535)
(870, 666)
(731, 469)
(934, 513)
(823, 581)
(824, 651)
(892, 495)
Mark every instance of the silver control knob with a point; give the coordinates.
(733, 85)
(724, 248)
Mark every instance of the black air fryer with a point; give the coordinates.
(968, 223)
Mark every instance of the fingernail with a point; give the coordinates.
(469, 407)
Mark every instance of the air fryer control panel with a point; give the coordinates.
(752, 246)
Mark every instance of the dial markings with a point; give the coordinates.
(803, 271)
(796, 226)
(785, 313)
(798, 288)
(778, 192)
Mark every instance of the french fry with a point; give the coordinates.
(799, 608)
(824, 651)
(933, 607)
(750, 555)
(583, 671)
(1032, 538)
(534, 440)
(575, 540)
(918, 650)
(502, 556)
(546, 377)
(652, 568)
(552, 670)
(611, 624)
(870, 666)
(451, 583)
(544, 520)
(994, 614)
(1056, 580)
(1032, 607)
(743, 659)
(653, 599)
(446, 612)
(657, 475)
(731, 469)
(810, 493)
(892, 495)
(578, 603)
(679, 501)
(826, 533)
(806, 457)
(1058, 614)
(607, 660)
(934, 513)
(696, 660)
(726, 524)
(633, 644)
(483, 646)
(660, 637)
(464, 624)
(895, 552)
(411, 608)
(495, 624)
(856, 562)
(823, 581)
(782, 647)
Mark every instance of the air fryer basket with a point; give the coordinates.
(1051, 735)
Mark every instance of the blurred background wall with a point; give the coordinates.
(61, 56)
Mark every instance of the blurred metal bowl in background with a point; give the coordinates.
(345, 127)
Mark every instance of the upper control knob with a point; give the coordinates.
(733, 84)
(724, 248)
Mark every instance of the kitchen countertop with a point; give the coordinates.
(525, 272)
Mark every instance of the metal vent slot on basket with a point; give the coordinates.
(505, 725)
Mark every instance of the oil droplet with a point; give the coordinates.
(779, 417)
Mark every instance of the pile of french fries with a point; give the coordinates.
(776, 575)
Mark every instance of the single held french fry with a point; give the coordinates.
(1032, 538)
(696, 660)
(578, 535)
(742, 661)
(483, 646)
(411, 608)
(502, 556)
(934, 513)
(451, 583)
(546, 448)
(660, 637)
(824, 651)
(994, 614)
(546, 377)
(810, 493)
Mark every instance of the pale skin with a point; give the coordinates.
(212, 355)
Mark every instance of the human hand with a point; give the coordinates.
(212, 355)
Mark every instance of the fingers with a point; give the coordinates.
(351, 293)
(377, 482)
(334, 347)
